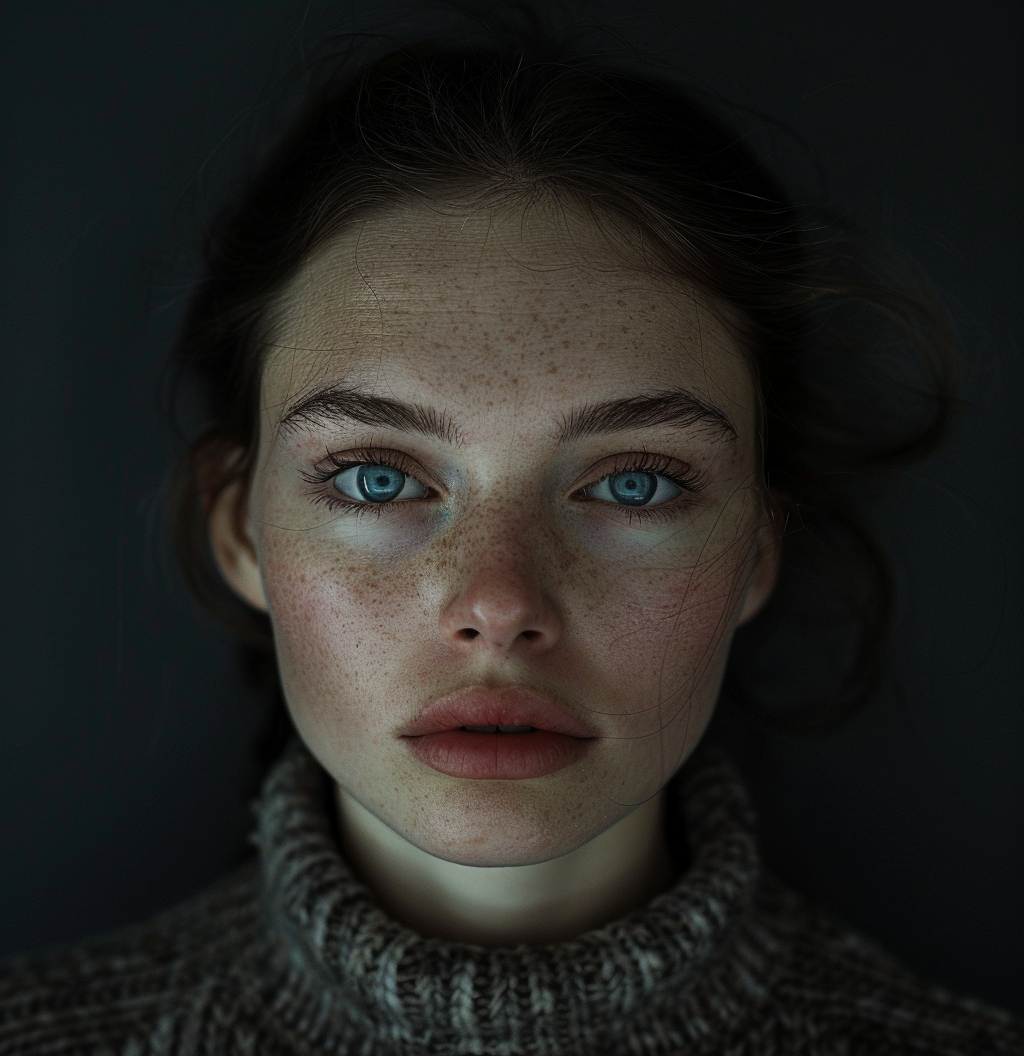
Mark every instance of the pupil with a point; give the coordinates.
(380, 483)
(633, 489)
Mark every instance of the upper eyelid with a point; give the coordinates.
(676, 470)
(370, 456)
(365, 457)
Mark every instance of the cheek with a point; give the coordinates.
(661, 624)
(336, 618)
(653, 653)
(663, 629)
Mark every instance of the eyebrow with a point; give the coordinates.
(676, 407)
(338, 402)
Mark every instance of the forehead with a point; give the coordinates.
(531, 304)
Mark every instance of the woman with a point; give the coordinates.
(520, 380)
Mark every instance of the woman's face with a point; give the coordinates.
(532, 535)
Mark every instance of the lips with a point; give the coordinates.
(505, 706)
(504, 734)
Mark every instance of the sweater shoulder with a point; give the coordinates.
(98, 995)
(844, 990)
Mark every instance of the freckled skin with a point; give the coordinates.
(506, 322)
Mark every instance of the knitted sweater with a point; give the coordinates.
(291, 955)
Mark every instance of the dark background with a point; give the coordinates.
(123, 733)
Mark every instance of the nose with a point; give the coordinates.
(500, 605)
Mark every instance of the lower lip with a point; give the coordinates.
(494, 756)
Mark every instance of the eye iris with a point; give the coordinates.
(380, 483)
(633, 489)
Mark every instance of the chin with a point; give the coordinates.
(498, 855)
(497, 839)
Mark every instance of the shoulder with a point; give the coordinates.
(120, 992)
(847, 996)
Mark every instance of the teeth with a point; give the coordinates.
(498, 729)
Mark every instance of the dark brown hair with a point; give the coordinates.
(855, 368)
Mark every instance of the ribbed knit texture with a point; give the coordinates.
(290, 955)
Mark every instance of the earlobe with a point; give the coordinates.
(762, 581)
(232, 546)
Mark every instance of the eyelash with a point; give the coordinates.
(642, 463)
(368, 456)
(661, 465)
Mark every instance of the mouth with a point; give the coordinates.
(497, 734)
(498, 729)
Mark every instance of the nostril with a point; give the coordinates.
(469, 632)
(530, 635)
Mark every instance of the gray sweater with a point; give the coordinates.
(290, 955)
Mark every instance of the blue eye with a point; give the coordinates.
(634, 488)
(377, 483)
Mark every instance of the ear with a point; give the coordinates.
(232, 546)
(768, 558)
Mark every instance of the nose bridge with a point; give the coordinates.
(502, 549)
(503, 535)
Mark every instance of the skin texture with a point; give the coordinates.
(504, 571)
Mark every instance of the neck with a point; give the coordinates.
(553, 901)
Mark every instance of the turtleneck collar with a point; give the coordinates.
(692, 963)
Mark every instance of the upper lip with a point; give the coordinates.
(502, 706)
